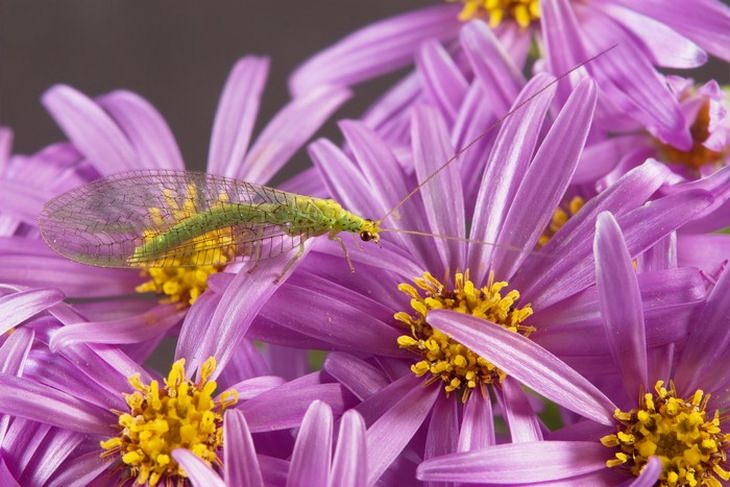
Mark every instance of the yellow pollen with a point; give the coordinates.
(688, 441)
(181, 414)
(699, 155)
(179, 280)
(560, 218)
(444, 358)
(523, 12)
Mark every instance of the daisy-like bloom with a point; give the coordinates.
(406, 371)
(312, 461)
(121, 131)
(665, 424)
(122, 422)
(646, 34)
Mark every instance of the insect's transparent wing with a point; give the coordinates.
(105, 222)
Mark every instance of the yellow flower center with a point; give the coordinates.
(524, 12)
(560, 218)
(699, 155)
(176, 277)
(444, 358)
(182, 414)
(689, 443)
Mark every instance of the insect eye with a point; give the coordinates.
(366, 236)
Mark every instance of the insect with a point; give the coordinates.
(166, 218)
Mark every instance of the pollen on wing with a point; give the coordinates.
(181, 414)
(444, 358)
(689, 442)
(176, 280)
(699, 155)
(524, 12)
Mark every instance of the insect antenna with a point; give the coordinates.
(485, 133)
(464, 239)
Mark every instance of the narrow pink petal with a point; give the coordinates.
(288, 131)
(145, 128)
(17, 307)
(195, 341)
(91, 130)
(505, 170)
(306, 182)
(350, 463)
(198, 472)
(40, 403)
(361, 378)
(477, 424)
(82, 469)
(523, 423)
(442, 195)
(546, 180)
(6, 478)
(250, 388)
(20, 201)
(375, 49)
(133, 329)
(379, 403)
(621, 306)
(650, 474)
(708, 343)
(389, 435)
(239, 453)
(236, 115)
(527, 362)
(443, 83)
(443, 430)
(310, 462)
(519, 463)
(56, 448)
(492, 65)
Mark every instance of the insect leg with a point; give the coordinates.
(336, 238)
(291, 262)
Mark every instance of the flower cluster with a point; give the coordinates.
(547, 302)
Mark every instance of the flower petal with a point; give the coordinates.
(17, 307)
(199, 473)
(441, 189)
(91, 130)
(545, 181)
(376, 49)
(239, 453)
(650, 474)
(54, 450)
(133, 329)
(518, 463)
(350, 464)
(82, 469)
(389, 435)
(6, 478)
(40, 403)
(145, 129)
(250, 388)
(443, 430)
(443, 83)
(360, 378)
(477, 424)
(506, 168)
(527, 362)
(310, 462)
(492, 65)
(285, 134)
(523, 423)
(236, 115)
(621, 306)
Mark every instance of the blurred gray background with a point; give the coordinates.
(175, 53)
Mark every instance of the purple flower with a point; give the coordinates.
(324, 306)
(121, 131)
(312, 461)
(673, 434)
(646, 34)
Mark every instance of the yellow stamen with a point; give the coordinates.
(182, 414)
(560, 218)
(444, 358)
(689, 442)
(699, 155)
(523, 12)
(179, 280)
